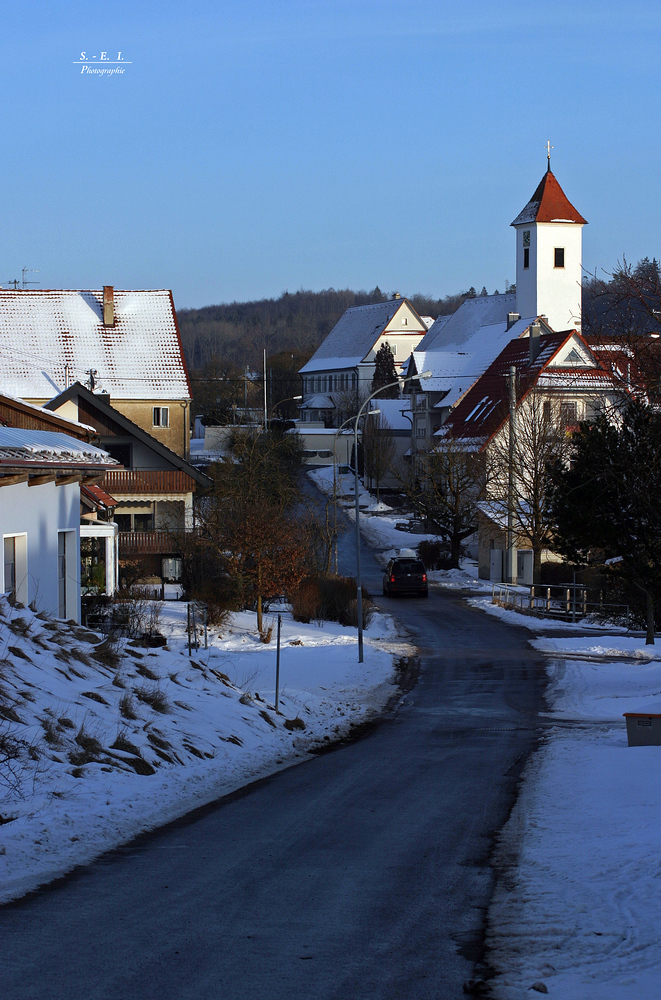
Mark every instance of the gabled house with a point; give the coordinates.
(344, 363)
(152, 489)
(559, 382)
(123, 343)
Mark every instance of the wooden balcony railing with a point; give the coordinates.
(146, 543)
(153, 481)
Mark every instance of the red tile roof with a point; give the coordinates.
(485, 408)
(98, 496)
(549, 204)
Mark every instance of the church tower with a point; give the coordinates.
(548, 257)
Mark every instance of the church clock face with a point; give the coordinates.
(526, 237)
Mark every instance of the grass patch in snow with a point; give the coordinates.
(153, 697)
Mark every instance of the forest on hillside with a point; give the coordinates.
(237, 333)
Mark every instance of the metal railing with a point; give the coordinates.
(567, 601)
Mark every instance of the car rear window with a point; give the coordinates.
(409, 566)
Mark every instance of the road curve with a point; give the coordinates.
(360, 874)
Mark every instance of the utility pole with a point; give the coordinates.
(266, 416)
(511, 554)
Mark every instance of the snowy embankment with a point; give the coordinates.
(577, 907)
(117, 739)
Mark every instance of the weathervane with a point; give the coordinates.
(549, 147)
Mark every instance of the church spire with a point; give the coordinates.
(549, 147)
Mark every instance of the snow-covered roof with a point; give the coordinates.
(318, 402)
(354, 336)
(549, 203)
(484, 310)
(455, 367)
(18, 446)
(391, 411)
(139, 357)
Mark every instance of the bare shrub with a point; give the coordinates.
(106, 653)
(51, 734)
(153, 697)
(306, 601)
(123, 743)
(127, 707)
(336, 601)
(144, 671)
(296, 723)
(94, 696)
(435, 554)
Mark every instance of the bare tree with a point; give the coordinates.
(445, 489)
(542, 439)
(378, 449)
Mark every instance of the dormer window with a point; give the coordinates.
(559, 257)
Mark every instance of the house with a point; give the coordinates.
(151, 490)
(560, 381)
(41, 472)
(123, 343)
(343, 365)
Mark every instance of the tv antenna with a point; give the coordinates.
(35, 270)
(92, 372)
(13, 281)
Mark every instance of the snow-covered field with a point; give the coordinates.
(578, 905)
(118, 740)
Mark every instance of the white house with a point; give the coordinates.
(344, 362)
(40, 476)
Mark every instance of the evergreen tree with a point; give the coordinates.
(385, 372)
(605, 505)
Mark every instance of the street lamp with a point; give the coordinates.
(288, 399)
(359, 592)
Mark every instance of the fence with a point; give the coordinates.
(567, 601)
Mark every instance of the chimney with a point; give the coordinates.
(535, 344)
(396, 295)
(108, 305)
(512, 318)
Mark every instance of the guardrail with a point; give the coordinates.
(568, 602)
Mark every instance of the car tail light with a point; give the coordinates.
(424, 577)
(392, 579)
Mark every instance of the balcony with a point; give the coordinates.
(146, 543)
(147, 483)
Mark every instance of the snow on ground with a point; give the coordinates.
(534, 624)
(577, 906)
(119, 739)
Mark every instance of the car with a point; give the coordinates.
(405, 575)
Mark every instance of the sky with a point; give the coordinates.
(251, 148)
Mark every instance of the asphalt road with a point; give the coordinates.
(362, 873)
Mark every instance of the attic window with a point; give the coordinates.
(574, 358)
(559, 257)
(161, 416)
(405, 321)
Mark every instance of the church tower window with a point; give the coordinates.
(559, 257)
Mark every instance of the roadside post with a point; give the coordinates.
(277, 667)
(188, 626)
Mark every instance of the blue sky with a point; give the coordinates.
(252, 148)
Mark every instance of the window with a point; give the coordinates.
(123, 522)
(526, 237)
(568, 415)
(161, 416)
(526, 257)
(547, 411)
(61, 574)
(143, 522)
(405, 323)
(559, 257)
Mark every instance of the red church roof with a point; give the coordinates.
(549, 204)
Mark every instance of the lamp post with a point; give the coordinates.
(359, 592)
(288, 399)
